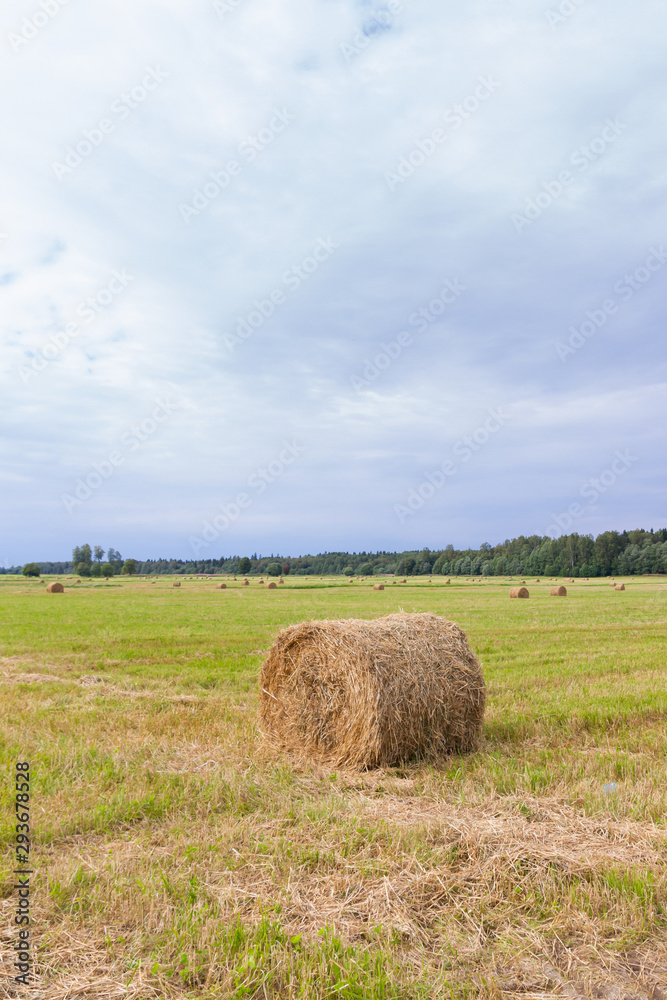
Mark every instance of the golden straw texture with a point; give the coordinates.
(366, 694)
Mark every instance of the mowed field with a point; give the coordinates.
(174, 858)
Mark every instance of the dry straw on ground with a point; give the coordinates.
(558, 592)
(364, 694)
(519, 592)
(55, 588)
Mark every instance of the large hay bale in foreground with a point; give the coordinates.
(221, 586)
(55, 588)
(378, 586)
(271, 586)
(558, 592)
(367, 694)
(519, 592)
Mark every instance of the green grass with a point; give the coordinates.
(188, 863)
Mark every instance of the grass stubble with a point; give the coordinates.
(175, 857)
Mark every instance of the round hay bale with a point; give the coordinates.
(558, 592)
(612, 585)
(366, 694)
(221, 586)
(176, 584)
(350, 581)
(55, 588)
(281, 582)
(271, 586)
(77, 581)
(519, 592)
(619, 586)
(246, 583)
(447, 582)
(261, 581)
(537, 581)
(403, 580)
(378, 586)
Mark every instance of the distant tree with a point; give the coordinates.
(99, 553)
(130, 567)
(244, 565)
(114, 556)
(286, 569)
(31, 569)
(348, 571)
(406, 566)
(274, 569)
(82, 558)
(366, 569)
(107, 569)
(96, 570)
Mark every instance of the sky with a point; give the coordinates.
(336, 275)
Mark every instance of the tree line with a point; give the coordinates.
(624, 553)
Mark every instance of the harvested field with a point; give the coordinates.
(174, 858)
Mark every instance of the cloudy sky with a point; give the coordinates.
(292, 277)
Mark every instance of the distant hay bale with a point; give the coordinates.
(281, 582)
(447, 582)
(271, 586)
(350, 580)
(558, 592)
(612, 585)
(378, 586)
(176, 584)
(77, 581)
(367, 694)
(55, 588)
(221, 586)
(403, 580)
(537, 581)
(261, 581)
(619, 586)
(519, 592)
(246, 583)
